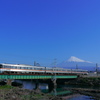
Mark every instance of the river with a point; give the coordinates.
(30, 84)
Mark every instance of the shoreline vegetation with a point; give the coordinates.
(85, 81)
(89, 86)
(16, 93)
(93, 93)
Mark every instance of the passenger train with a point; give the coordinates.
(28, 69)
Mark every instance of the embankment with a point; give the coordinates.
(15, 93)
(91, 86)
(85, 81)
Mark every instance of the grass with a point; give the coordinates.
(6, 87)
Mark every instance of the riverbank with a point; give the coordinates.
(86, 86)
(15, 93)
(85, 81)
(93, 93)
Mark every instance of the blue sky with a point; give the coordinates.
(42, 30)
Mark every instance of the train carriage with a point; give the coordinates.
(28, 69)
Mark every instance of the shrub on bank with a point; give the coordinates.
(91, 81)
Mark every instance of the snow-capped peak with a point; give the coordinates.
(75, 59)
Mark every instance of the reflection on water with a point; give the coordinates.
(30, 84)
(79, 97)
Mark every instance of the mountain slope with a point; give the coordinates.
(75, 59)
(74, 62)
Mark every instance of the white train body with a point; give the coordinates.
(19, 68)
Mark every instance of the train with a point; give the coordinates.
(29, 69)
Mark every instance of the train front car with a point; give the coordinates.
(20, 69)
(3, 69)
(1, 66)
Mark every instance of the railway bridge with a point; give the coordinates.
(20, 71)
(10, 77)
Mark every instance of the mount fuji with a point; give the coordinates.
(74, 62)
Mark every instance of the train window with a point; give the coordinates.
(40, 68)
(24, 67)
(11, 66)
(47, 69)
(4, 66)
(15, 67)
(28, 68)
(35, 68)
(7, 67)
(1, 66)
(21, 67)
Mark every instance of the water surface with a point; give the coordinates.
(30, 84)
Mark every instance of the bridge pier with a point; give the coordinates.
(9, 82)
(52, 84)
(36, 84)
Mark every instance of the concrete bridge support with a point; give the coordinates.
(36, 84)
(52, 85)
(9, 81)
(54, 82)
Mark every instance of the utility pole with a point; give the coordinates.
(76, 67)
(34, 63)
(55, 62)
(53, 79)
(97, 69)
